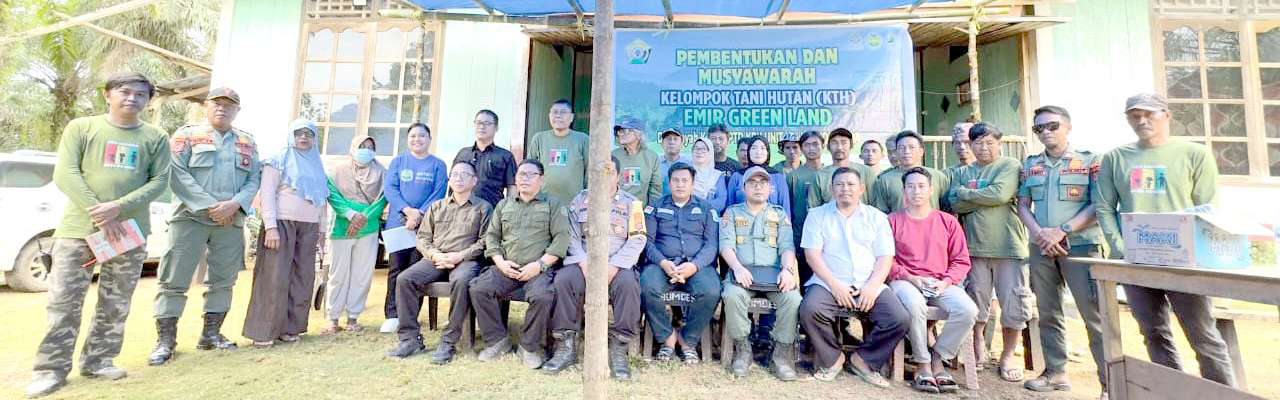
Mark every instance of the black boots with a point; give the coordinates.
(618, 366)
(741, 357)
(166, 341)
(783, 361)
(566, 352)
(211, 338)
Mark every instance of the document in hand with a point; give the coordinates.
(104, 249)
(399, 238)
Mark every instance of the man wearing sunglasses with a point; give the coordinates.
(1054, 204)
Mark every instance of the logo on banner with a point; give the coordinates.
(558, 157)
(638, 51)
(874, 41)
(120, 155)
(1148, 179)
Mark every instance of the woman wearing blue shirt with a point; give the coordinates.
(758, 155)
(414, 180)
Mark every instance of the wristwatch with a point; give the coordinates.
(1065, 227)
(542, 265)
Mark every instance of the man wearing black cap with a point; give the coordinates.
(672, 143)
(214, 175)
(1156, 174)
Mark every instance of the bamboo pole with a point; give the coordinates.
(93, 16)
(197, 64)
(572, 22)
(595, 373)
(422, 71)
(975, 95)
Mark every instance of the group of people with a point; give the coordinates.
(873, 240)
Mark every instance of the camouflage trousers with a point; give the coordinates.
(69, 282)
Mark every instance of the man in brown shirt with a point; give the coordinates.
(452, 246)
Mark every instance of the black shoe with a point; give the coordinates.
(166, 341)
(619, 366)
(408, 347)
(741, 357)
(783, 361)
(210, 338)
(566, 352)
(443, 354)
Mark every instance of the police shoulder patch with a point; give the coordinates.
(648, 209)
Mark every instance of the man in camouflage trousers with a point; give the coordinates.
(110, 167)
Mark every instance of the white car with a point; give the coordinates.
(35, 204)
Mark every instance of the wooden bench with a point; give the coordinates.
(674, 299)
(968, 364)
(1225, 320)
(758, 306)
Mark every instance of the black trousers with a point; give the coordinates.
(400, 261)
(411, 287)
(624, 296)
(818, 315)
(491, 288)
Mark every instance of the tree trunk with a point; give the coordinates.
(595, 373)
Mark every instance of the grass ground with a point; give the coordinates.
(350, 365)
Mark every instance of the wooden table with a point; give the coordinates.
(1131, 378)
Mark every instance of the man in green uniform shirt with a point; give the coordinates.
(110, 167)
(638, 175)
(214, 175)
(1054, 204)
(528, 233)
(756, 236)
(1156, 174)
(983, 194)
(886, 191)
(564, 153)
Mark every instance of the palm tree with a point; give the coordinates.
(70, 64)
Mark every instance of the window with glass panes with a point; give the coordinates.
(364, 78)
(1222, 78)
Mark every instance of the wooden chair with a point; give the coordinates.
(676, 299)
(759, 306)
(438, 290)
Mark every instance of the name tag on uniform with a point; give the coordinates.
(202, 147)
(666, 211)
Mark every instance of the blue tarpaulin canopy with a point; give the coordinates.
(726, 8)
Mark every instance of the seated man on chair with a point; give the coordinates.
(528, 233)
(451, 240)
(683, 235)
(757, 244)
(929, 268)
(849, 245)
(626, 241)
